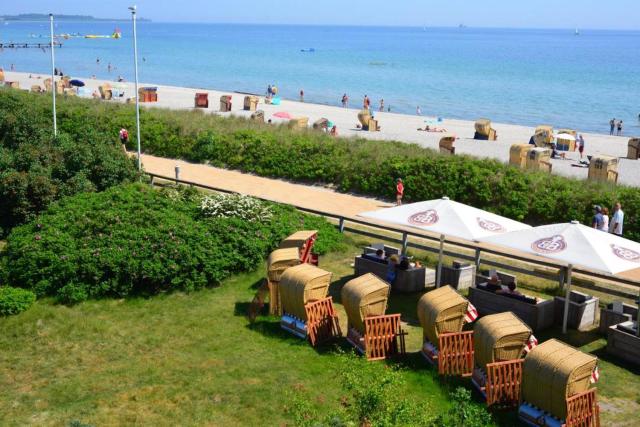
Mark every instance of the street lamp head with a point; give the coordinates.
(51, 15)
(133, 8)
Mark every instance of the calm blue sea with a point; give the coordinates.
(514, 76)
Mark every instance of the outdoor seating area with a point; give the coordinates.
(386, 263)
(490, 299)
(623, 341)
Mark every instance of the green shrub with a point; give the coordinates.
(37, 169)
(351, 164)
(374, 396)
(15, 300)
(463, 412)
(133, 239)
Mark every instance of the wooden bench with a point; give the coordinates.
(538, 316)
(407, 281)
(622, 343)
(614, 313)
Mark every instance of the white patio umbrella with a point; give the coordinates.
(446, 217)
(574, 244)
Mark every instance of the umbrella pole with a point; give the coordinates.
(566, 299)
(439, 272)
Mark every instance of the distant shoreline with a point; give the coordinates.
(40, 17)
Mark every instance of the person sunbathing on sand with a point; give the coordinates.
(428, 128)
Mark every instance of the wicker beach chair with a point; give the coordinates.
(633, 149)
(499, 342)
(442, 315)
(225, 103)
(105, 91)
(446, 145)
(299, 123)
(603, 168)
(1, 75)
(303, 241)
(321, 124)
(556, 389)
(307, 312)
(201, 100)
(363, 117)
(484, 130)
(258, 116)
(36, 89)
(518, 154)
(543, 136)
(148, 94)
(539, 159)
(251, 103)
(277, 263)
(370, 331)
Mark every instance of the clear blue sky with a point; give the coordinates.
(595, 14)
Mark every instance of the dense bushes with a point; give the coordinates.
(15, 300)
(135, 240)
(358, 165)
(36, 169)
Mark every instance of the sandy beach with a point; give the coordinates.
(399, 127)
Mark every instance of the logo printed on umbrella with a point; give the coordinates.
(625, 254)
(549, 245)
(494, 227)
(424, 219)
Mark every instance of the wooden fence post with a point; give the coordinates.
(341, 225)
(405, 243)
(477, 260)
(561, 277)
(177, 174)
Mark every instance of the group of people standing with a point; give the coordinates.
(615, 127)
(602, 222)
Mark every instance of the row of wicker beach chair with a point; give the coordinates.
(549, 383)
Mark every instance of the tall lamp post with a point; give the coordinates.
(135, 64)
(53, 77)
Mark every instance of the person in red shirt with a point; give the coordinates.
(399, 191)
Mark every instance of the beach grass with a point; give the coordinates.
(194, 359)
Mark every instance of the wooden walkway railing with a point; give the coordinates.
(559, 273)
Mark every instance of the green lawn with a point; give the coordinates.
(195, 360)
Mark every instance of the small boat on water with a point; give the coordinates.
(309, 50)
(116, 35)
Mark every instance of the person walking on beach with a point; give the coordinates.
(418, 111)
(612, 124)
(109, 67)
(399, 191)
(269, 91)
(616, 223)
(620, 128)
(381, 105)
(581, 146)
(366, 102)
(345, 101)
(301, 95)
